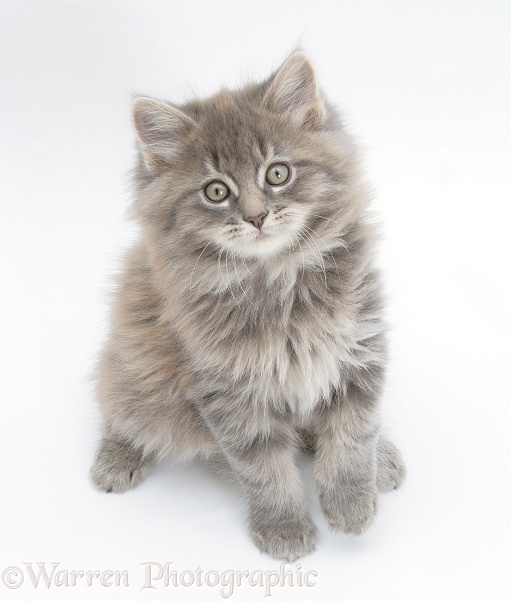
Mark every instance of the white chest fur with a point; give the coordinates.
(299, 364)
(280, 348)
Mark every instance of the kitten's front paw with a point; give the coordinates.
(391, 468)
(350, 510)
(286, 540)
(119, 467)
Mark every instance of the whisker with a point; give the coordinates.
(326, 218)
(224, 282)
(342, 243)
(191, 275)
(227, 281)
(323, 217)
(295, 237)
(218, 268)
(246, 266)
(327, 249)
(316, 253)
(238, 277)
(303, 257)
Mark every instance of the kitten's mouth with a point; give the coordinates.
(264, 236)
(263, 242)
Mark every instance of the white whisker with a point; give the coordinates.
(295, 237)
(339, 242)
(327, 249)
(238, 277)
(191, 275)
(318, 253)
(246, 266)
(227, 280)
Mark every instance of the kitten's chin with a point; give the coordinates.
(264, 244)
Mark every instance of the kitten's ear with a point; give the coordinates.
(160, 129)
(293, 90)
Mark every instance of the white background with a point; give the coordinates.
(427, 88)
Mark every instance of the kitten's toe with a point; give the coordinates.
(352, 512)
(286, 540)
(119, 467)
(391, 468)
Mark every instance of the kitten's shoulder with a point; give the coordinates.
(136, 299)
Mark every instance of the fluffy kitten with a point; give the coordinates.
(248, 318)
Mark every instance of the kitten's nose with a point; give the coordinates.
(257, 221)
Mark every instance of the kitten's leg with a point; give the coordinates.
(263, 459)
(390, 466)
(391, 469)
(346, 454)
(119, 465)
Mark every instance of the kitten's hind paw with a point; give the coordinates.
(119, 467)
(391, 468)
(286, 540)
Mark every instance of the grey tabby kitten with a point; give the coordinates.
(247, 323)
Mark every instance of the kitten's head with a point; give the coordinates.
(251, 172)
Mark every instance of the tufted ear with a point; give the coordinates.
(160, 129)
(293, 90)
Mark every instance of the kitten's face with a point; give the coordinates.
(242, 171)
(252, 202)
(252, 183)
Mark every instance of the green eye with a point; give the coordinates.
(216, 191)
(277, 174)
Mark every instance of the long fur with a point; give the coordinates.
(240, 343)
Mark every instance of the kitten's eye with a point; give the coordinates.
(277, 174)
(216, 191)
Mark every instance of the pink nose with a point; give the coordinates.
(257, 221)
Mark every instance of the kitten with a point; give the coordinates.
(248, 322)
